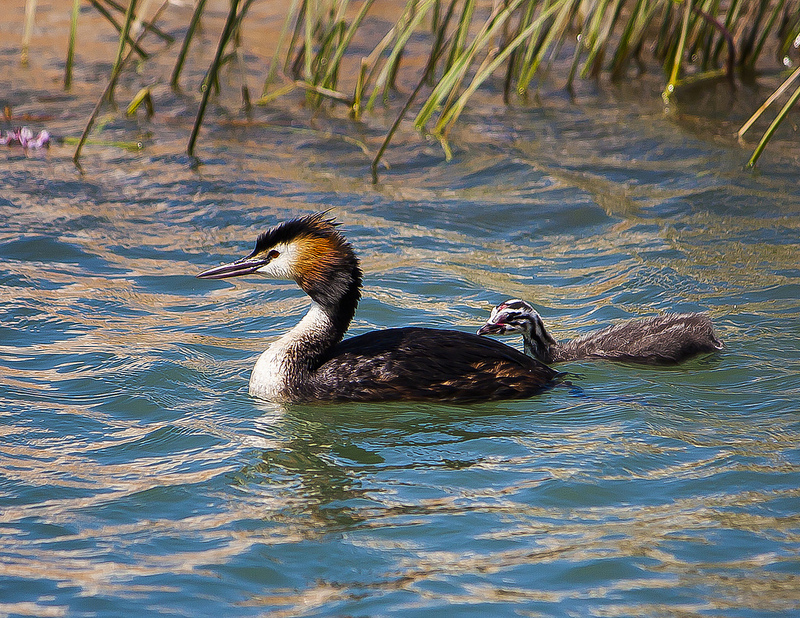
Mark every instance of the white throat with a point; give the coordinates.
(280, 367)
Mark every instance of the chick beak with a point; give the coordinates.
(491, 329)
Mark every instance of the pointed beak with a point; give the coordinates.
(491, 329)
(245, 266)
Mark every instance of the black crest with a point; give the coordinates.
(313, 225)
(334, 279)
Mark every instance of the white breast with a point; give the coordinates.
(269, 379)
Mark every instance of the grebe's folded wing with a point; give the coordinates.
(433, 364)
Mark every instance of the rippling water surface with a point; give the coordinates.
(138, 477)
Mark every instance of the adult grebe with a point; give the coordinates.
(312, 363)
(660, 340)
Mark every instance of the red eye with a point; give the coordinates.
(273, 254)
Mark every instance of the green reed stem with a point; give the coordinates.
(530, 67)
(697, 28)
(324, 92)
(749, 42)
(462, 31)
(781, 89)
(355, 108)
(149, 25)
(731, 17)
(383, 81)
(227, 32)
(713, 24)
(789, 30)
(27, 32)
(123, 38)
(143, 96)
(109, 87)
(579, 46)
(663, 40)
(373, 60)
(450, 81)
(773, 127)
(676, 63)
(326, 47)
(272, 72)
(333, 65)
(193, 24)
(132, 146)
(232, 56)
(631, 36)
(309, 40)
(449, 117)
(592, 66)
(725, 36)
(529, 49)
(591, 34)
(438, 49)
(73, 29)
(296, 32)
(766, 32)
(118, 27)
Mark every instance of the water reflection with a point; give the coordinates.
(558, 516)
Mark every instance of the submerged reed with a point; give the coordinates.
(470, 41)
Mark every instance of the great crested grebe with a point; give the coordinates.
(312, 363)
(659, 340)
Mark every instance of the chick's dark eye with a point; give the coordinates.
(273, 254)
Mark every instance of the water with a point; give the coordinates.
(138, 477)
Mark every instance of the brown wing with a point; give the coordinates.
(427, 364)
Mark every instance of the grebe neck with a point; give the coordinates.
(535, 349)
(540, 344)
(289, 361)
(333, 281)
(286, 365)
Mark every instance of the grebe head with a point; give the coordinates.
(309, 251)
(509, 317)
(517, 316)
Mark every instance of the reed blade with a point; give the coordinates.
(225, 37)
(73, 29)
(272, 71)
(109, 87)
(193, 24)
(677, 62)
(384, 77)
(451, 115)
(772, 98)
(27, 32)
(773, 127)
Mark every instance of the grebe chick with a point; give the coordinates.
(312, 363)
(659, 340)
